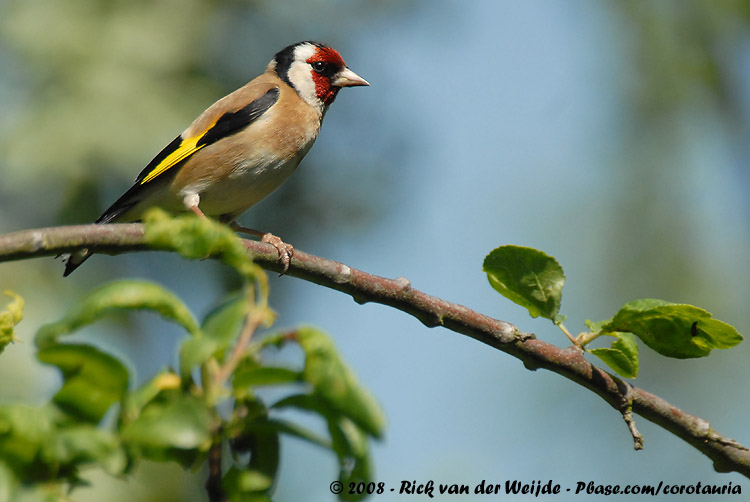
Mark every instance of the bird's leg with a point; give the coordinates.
(191, 202)
(286, 251)
(244, 230)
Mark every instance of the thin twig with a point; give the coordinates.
(567, 333)
(637, 437)
(727, 455)
(626, 408)
(252, 323)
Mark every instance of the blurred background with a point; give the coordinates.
(613, 135)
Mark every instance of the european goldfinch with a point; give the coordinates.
(242, 147)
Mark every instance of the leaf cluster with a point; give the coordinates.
(208, 411)
(535, 280)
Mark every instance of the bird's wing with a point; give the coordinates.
(221, 123)
(224, 118)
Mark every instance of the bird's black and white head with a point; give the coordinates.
(317, 72)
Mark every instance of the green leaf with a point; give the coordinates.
(335, 383)
(23, 431)
(194, 238)
(118, 295)
(135, 401)
(622, 357)
(177, 428)
(293, 429)
(259, 475)
(527, 277)
(12, 490)
(199, 238)
(9, 317)
(353, 450)
(348, 440)
(92, 380)
(252, 375)
(259, 420)
(9, 484)
(224, 322)
(80, 444)
(246, 485)
(194, 352)
(220, 329)
(264, 458)
(674, 329)
(595, 327)
(43, 444)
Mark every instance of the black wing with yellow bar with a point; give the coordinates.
(226, 125)
(179, 150)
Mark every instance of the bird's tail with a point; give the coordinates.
(119, 212)
(115, 213)
(74, 260)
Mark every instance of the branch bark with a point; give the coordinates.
(727, 455)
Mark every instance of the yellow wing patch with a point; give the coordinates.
(225, 125)
(185, 150)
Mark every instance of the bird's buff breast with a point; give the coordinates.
(249, 181)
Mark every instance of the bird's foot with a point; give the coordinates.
(286, 251)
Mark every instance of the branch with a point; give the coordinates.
(213, 481)
(727, 455)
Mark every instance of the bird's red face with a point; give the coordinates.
(317, 72)
(326, 63)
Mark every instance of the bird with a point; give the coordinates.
(242, 147)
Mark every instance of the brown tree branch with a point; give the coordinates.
(727, 455)
(213, 481)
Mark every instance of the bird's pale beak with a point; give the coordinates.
(347, 78)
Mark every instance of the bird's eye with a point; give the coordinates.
(319, 66)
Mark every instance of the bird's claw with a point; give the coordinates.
(286, 251)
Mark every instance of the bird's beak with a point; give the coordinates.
(347, 78)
